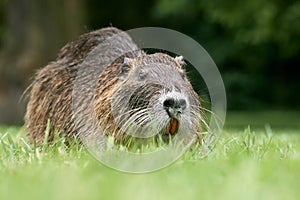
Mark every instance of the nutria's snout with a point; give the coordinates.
(175, 105)
(174, 108)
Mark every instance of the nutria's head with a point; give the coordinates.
(154, 96)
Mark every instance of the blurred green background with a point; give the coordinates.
(255, 44)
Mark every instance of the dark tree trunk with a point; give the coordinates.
(34, 32)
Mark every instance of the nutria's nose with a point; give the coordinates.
(174, 107)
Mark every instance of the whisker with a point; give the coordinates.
(133, 118)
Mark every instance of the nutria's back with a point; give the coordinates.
(137, 93)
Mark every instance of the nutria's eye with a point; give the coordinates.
(142, 75)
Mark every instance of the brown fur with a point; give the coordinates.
(51, 91)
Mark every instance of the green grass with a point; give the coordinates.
(245, 164)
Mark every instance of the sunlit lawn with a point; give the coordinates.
(248, 163)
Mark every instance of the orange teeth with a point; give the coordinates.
(172, 126)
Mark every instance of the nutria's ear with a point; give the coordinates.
(180, 61)
(126, 65)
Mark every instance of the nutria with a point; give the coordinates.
(138, 93)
